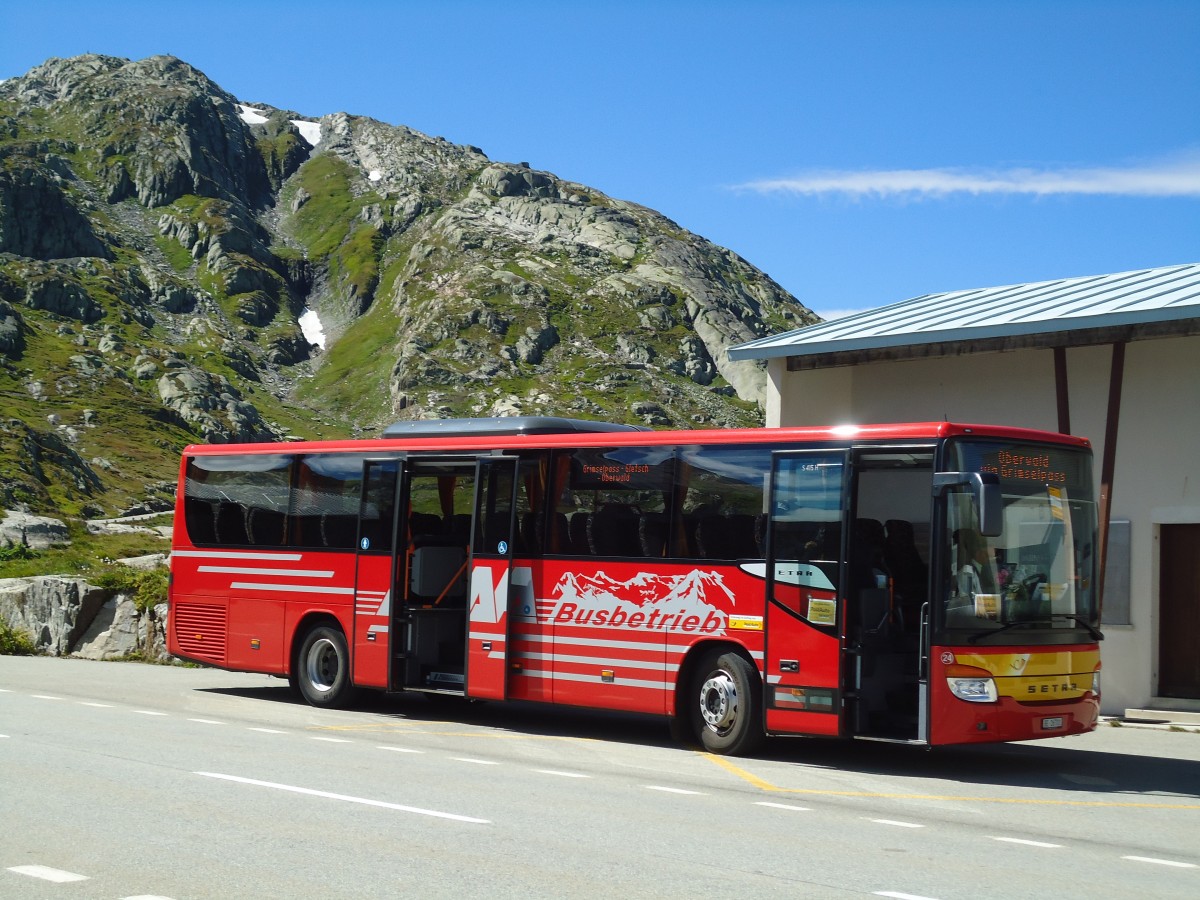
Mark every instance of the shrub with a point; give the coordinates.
(14, 642)
(146, 587)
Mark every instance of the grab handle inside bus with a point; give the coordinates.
(986, 488)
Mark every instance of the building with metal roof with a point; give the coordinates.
(1115, 358)
(1065, 312)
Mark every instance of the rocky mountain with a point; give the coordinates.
(160, 241)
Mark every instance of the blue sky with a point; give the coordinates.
(860, 153)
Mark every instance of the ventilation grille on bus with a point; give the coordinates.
(201, 631)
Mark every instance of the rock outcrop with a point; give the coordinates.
(70, 617)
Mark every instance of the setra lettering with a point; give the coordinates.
(1053, 688)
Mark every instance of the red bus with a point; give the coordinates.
(921, 583)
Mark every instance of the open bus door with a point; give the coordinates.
(806, 608)
(491, 593)
(373, 582)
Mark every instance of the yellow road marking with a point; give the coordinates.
(764, 785)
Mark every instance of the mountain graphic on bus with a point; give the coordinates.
(646, 601)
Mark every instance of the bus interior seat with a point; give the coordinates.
(908, 569)
(652, 534)
(438, 571)
(536, 540)
(230, 523)
(424, 527)
(265, 526)
(726, 537)
(578, 531)
(458, 527)
(612, 530)
(200, 516)
(338, 530)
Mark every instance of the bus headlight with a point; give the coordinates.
(1096, 682)
(971, 684)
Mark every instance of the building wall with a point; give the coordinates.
(1156, 480)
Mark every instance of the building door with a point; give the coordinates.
(1179, 611)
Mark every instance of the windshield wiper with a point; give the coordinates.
(1082, 623)
(1078, 620)
(974, 639)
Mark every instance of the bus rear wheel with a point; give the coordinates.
(728, 715)
(323, 668)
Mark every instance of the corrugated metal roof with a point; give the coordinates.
(1068, 304)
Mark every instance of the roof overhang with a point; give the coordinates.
(1100, 309)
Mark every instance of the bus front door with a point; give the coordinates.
(372, 639)
(491, 594)
(805, 597)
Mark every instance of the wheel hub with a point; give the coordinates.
(322, 664)
(719, 701)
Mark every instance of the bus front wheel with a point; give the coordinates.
(323, 668)
(727, 716)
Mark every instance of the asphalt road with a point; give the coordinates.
(120, 780)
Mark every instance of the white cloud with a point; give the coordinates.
(1176, 178)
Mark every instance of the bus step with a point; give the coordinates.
(445, 679)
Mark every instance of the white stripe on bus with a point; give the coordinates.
(289, 588)
(283, 573)
(234, 554)
(595, 679)
(598, 660)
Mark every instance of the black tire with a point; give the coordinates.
(323, 668)
(726, 704)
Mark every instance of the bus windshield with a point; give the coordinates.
(1036, 580)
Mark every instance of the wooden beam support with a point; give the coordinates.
(1108, 465)
(1060, 390)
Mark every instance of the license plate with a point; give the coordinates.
(1052, 723)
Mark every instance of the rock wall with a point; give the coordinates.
(69, 617)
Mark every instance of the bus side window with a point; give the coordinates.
(614, 501)
(324, 507)
(720, 493)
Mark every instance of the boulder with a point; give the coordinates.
(35, 532)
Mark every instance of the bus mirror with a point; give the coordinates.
(985, 486)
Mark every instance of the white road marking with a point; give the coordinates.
(345, 797)
(401, 750)
(148, 712)
(97, 705)
(669, 790)
(207, 721)
(562, 774)
(1161, 862)
(897, 824)
(332, 740)
(898, 896)
(146, 897)
(269, 730)
(1025, 842)
(48, 874)
(782, 806)
(45, 697)
(478, 762)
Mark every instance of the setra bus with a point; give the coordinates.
(921, 583)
